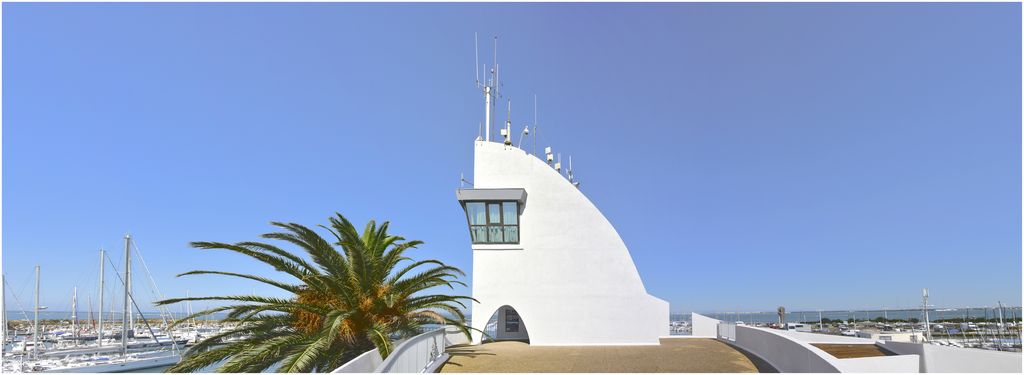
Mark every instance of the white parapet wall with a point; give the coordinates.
(366, 362)
(887, 364)
(426, 352)
(783, 353)
(935, 358)
(704, 326)
(789, 351)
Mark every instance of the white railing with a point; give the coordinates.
(425, 352)
(727, 331)
(422, 353)
(367, 362)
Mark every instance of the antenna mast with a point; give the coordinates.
(506, 132)
(494, 83)
(489, 86)
(486, 87)
(536, 129)
(572, 180)
(476, 55)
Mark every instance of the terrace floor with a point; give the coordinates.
(673, 355)
(853, 350)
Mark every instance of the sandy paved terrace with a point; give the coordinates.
(673, 355)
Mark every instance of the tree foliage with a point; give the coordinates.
(352, 293)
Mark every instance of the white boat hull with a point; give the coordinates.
(119, 365)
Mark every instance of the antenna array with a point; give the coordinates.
(490, 86)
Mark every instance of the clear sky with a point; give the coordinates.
(813, 156)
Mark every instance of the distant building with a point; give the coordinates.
(799, 327)
(892, 336)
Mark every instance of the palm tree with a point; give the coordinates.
(352, 298)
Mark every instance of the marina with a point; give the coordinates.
(72, 346)
(714, 189)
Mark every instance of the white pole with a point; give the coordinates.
(35, 328)
(476, 61)
(1000, 330)
(131, 292)
(927, 326)
(127, 276)
(508, 123)
(74, 316)
(3, 309)
(99, 328)
(487, 113)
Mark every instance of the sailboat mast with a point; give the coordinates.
(99, 328)
(74, 315)
(35, 325)
(3, 310)
(91, 322)
(127, 276)
(188, 308)
(131, 294)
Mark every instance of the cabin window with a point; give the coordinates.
(493, 222)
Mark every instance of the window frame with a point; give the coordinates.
(487, 225)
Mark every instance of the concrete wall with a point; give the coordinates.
(934, 358)
(783, 353)
(889, 364)
(703, 326)
(893, 336)
(790, 351)
(571, 277)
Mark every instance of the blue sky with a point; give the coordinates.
(814, 156)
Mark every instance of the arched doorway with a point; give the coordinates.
(506, 325)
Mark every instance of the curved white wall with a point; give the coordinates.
(703, 326)
(936, 358)
(571, 278)
(789, 351)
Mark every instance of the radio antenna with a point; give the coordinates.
(536, 129)
(490, 87)
(569, 171)
(496, 66)
(526, 132)
(507, 130)
(476, 54)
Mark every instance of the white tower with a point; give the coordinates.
(546, 263)
(547, 266)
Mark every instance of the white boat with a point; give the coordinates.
(105, 356)
(99, 363)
